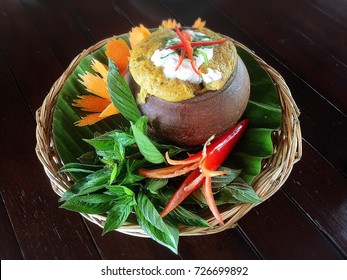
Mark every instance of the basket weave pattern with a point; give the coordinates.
(276, 169)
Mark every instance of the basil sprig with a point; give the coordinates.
(121, 95)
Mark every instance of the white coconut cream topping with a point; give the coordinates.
(168, 59)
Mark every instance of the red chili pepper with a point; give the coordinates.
(188, 48)
(186, 34)
(219, 149)
(193, 181)
(199, 44)
(180, 60)
(204, 165)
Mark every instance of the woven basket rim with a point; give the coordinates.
(287, 151)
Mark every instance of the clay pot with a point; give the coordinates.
(192, 122)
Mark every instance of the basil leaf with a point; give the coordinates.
(117, 216)
(101, 143)
(223, 180)
(150, 213)
(120, 191)
(114, 173)
(173, 150)
(120, 93)
(80, 167)
(237, 192)
(123, 138)
(129, 173)
(146, 147)
(149, 219)
(167, 240)
(142, 123)
(88, 158)
(90, 204)
(119, 150)
(199, 198)
(155, 184)
(88, 184)
(185, 217)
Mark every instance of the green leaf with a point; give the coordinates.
(121, 191)
(146, 147)
(185, 217)
(88, 184)
(173, 150)
(121, 95)
(101, 143)
(156, 184)
(264, 111)
(142, 123)
(237, 192)
(149, 212)
(114, 173)
(149, 219)
(88, 158)
(123, 138)
(125, 200)
(90, 204)
(117, 216)
(80, 167)
(130, 176)
(169, 240)
(223, 180)
(204, 55)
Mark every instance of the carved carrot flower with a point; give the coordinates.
(170, 24)
(98, 104)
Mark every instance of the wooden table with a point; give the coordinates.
(305, 41)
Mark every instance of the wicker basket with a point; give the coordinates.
(276, 169)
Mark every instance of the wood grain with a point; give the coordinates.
(308, 59)
(10, 249)
(41, 229)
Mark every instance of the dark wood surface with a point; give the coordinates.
(305, 40)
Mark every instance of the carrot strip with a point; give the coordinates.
(100, 68)
(213, 173)
(181, 58)
(109, 111)
(95, 84)
(91, 103)
(168, 172)
(207, 189)
(89, 120)
(189, 160)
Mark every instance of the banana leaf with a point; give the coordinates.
(263, 109)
